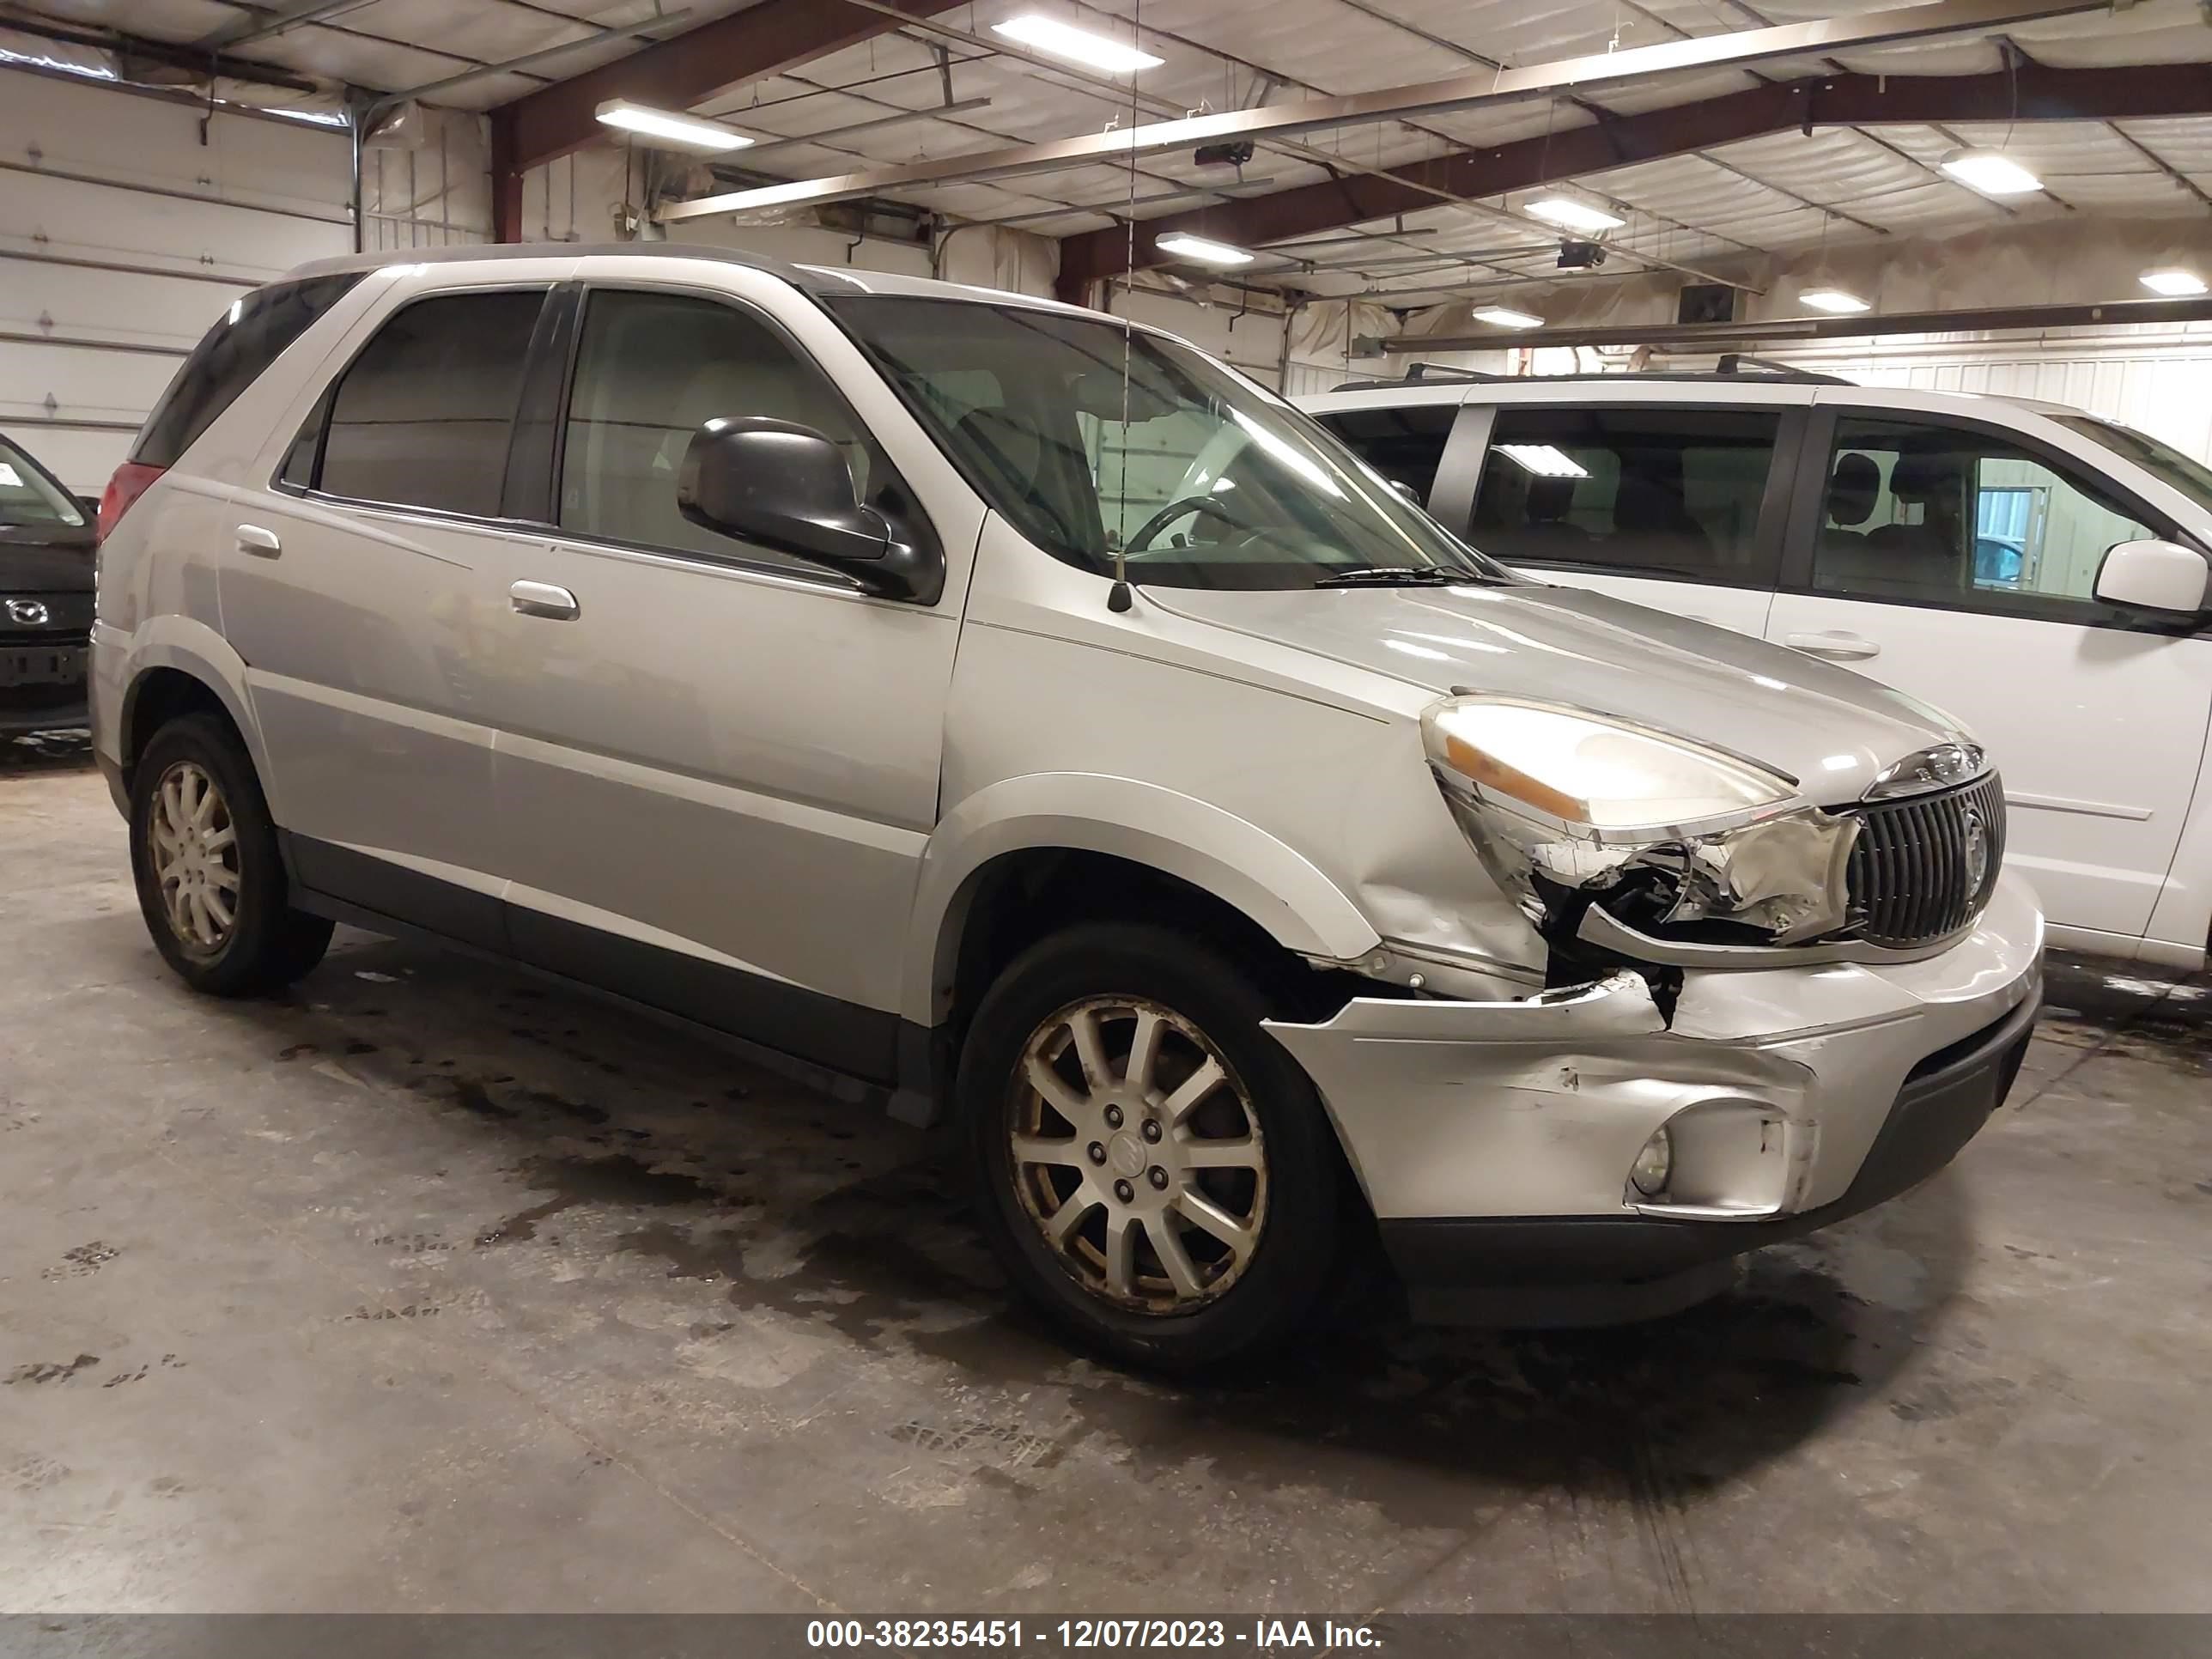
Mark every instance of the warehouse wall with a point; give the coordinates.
(2158, 379)
(128, 222)
(426, 182)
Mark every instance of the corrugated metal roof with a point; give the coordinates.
(1783, 192)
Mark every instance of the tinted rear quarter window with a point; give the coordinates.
(422, 416)
(1655, 489)
(245, 340)
(1405, 446)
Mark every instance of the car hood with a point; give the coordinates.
(1830, 729)
(59, 561)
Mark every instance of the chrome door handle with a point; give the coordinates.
(542, 599)
(261, 544)
(1837, 648)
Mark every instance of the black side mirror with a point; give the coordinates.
(786, 486)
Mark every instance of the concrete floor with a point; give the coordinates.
(429, 1288)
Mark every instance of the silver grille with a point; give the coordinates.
(1914, 875)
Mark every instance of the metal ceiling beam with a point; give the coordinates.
(677, 73)
(1121, 94)
(1835, 100)
(1788, 331)
(1482, 89)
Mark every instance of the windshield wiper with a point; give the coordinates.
(1400, 575)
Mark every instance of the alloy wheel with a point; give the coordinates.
(193, 845)
(1137, 1153)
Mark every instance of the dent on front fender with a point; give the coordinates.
(1285, 893)
(1413, 876)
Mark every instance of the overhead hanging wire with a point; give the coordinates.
(1119, 597)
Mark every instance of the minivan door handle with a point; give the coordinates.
(261, 544)
(1835, 647)
(542, 599)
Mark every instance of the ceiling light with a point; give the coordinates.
(1545, 461)
(1570, 214)
(2174, 284)
(1197, 248)
(1049, 34)
(1832, 299)
(1990, 172)
(1506, 317)
(686, 130)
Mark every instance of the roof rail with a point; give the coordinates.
(1734, 362)
(1421, 374)
(1731, 367)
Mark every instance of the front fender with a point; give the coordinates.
(1275, 885)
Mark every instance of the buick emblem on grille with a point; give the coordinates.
(1977, 850)
(1938, 767)
(1950, 763)
(28, 612)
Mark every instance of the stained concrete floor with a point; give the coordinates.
(430, 1288)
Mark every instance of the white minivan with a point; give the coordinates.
(1022, 712)
(2038, 572)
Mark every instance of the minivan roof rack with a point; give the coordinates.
(1736, 366)
(1734, 362)
(1420, 373)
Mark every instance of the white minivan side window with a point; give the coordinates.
(1948, 515)
(1650, 489)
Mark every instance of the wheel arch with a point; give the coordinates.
(181, 667)
(1186, 843)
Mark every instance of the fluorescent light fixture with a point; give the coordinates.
(1197, 248)
(1990, 172)
(1545, 461)
(2175, 284)
(1570, 214)
(1506, 317)
(686, 131)
(1050, 35)
(1832, 299)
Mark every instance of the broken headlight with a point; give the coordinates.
(1567, 809)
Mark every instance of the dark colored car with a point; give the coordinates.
(47, 542)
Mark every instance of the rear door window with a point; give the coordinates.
(423, 416)
(1405, 445)
(245, 340)
(1650, 490)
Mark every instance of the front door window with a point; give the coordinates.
(1949, 516)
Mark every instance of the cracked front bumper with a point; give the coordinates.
(1494, 1140)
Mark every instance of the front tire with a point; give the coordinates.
(210, 879)
(1154, 1171)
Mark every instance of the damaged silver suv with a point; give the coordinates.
(1022, 712)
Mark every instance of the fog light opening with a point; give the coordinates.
(1648, 1174)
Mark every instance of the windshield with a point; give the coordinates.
(1199, 479)
(28, 497)
(2191, 478)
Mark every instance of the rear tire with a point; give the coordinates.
(1153, 1171)
(210, 879)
